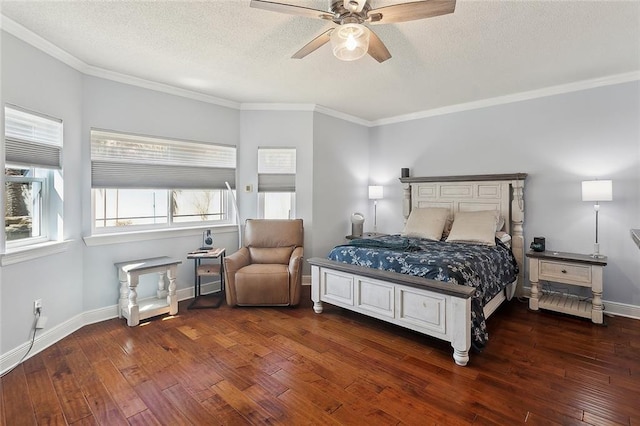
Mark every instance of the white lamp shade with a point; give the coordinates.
(375, 192)
(597, 190)
(350, 41)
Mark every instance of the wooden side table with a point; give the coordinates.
(572, 269)
(207, 270)
(129, 276)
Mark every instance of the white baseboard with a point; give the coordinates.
(621, 309)
(47, 337)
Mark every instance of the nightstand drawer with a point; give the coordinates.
(209, 269)
(558, 271)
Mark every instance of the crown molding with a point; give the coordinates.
(341, 115)
(516, 97)
(276, 107)
(26, 35)
(158, 87)
(29, 37)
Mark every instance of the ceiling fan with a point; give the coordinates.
(351, 39)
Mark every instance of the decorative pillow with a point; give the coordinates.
(500, 224)
(474, 227)
(504, 237)
(426, 223)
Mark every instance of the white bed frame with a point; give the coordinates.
(431, 307)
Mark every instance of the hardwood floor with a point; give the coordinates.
(291, 366)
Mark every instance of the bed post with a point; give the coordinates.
(406, 201)
(517, 234)
(315, 289)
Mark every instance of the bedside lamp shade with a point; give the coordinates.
(375, 192)
(597, 190)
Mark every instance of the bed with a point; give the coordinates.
(439, 307)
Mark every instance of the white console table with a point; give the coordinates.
(129, 276)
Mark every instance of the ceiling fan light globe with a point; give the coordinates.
(350, 42)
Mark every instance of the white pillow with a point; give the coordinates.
(426, 223)
(474, 227)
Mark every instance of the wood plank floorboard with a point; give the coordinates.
(254, 366)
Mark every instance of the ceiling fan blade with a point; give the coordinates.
(411, 11)
(314, 44)
(377, 49)
(290, 9)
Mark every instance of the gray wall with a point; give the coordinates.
(56, 279)
(559, 141)
(340, 179)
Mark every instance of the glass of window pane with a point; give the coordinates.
(188, 205)
(130, 207)
(22, 209)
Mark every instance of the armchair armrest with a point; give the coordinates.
(232, 264)
(295, 275)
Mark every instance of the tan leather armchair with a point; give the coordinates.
(268, 269)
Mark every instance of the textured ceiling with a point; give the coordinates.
(225, 49)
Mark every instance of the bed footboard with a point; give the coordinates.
(426, 306)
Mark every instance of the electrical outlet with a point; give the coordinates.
(37, 305)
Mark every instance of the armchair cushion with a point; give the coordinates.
(262, 284)
(280, 255)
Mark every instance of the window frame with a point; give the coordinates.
(34, 141)
(170, 224)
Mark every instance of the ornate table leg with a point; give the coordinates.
(124, 292)
(533, 277)
(596, 289)
(162, 291)
(172, 298)
(133, 308)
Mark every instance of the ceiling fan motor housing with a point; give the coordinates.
(343, 15)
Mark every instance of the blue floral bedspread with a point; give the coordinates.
(488, 269)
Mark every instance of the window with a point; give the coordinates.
(141, 182)
(276, 183)
(33, 146)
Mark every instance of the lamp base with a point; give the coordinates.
(596, 252)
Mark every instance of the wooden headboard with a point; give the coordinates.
(502, 192)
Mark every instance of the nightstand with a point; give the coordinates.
(365, 235)
(572, 269)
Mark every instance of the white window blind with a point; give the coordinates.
(132, 161)
(32, 140)
(276, 170)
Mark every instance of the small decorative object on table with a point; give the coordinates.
(204, 270)
(538, 244)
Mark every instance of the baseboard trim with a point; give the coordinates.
(46, 338)
(621, 309)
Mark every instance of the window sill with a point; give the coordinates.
(34, 251)
(153, 234)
